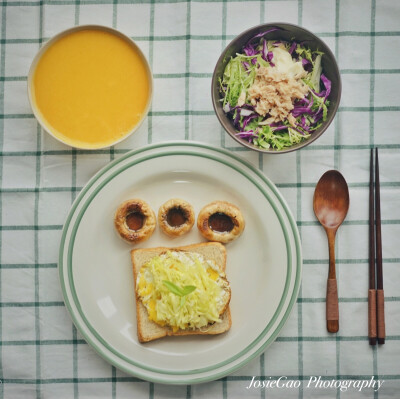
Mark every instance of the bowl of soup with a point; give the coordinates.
(90, 87)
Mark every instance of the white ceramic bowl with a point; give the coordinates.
(43, 50)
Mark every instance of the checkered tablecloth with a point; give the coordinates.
(42, 354)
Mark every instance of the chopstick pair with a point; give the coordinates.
(376, 299)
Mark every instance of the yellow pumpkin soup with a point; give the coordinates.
(91, 88)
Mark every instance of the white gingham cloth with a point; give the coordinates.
(42, 354)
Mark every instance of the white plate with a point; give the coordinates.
(263, 266)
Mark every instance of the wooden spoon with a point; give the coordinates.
(331, 203)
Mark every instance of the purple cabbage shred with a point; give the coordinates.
(263, 34)
(327, 83)
(264, 51)
(247, 119)
(248, 134)
(249, 49)
(292, 48)
(246, 65)
(279, 127)
(306, 64)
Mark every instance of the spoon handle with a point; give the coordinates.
(332, 302)
(332, 306)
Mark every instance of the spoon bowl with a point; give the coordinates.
(331, 203)
(331, 199)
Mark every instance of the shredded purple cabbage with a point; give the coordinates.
(246, 65)
(278, 127)
(303, 124)
(292, 48)
(270, 56)
(264, 51)
(248, 135)
(263, 34)
(306, 65)
(247, 119)
(324, 93)
(327, 83)
(300, 109)
(249, 49)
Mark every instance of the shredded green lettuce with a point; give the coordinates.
(236, 79)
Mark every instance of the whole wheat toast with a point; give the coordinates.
(147, 329)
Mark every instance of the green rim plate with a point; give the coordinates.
(233, 361)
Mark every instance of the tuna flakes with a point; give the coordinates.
(273, 93)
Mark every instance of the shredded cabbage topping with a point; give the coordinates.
(241, 96)
(165, 280)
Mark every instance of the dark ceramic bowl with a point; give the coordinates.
(286, 32)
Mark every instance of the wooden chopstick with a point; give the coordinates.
(380, 299)
(376, 298)
(372, 323)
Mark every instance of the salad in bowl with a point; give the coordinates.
(276, 90)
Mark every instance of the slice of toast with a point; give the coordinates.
(147, 329)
